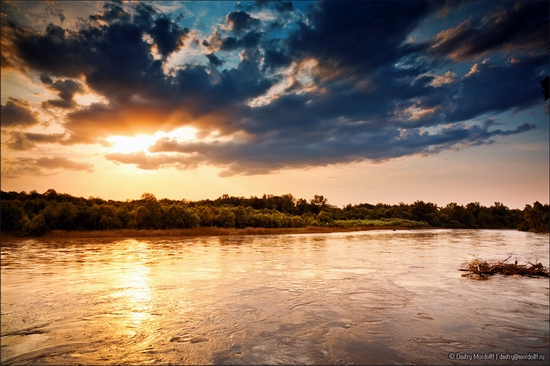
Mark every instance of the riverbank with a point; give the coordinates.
(204, 231)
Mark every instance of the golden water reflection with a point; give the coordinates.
(130, 281)
(347, 298)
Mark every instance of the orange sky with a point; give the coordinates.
(430, 102)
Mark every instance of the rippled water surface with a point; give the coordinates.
(376, 297)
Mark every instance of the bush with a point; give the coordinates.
(35, 227)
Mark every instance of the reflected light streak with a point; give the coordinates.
(133, 279)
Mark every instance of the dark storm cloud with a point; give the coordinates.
(264, 156)
(524, 26)
(66, 89)
(275, 54)
(112, 56)
(115, 61)
(219, 43)
(54, 52)
(229, 44)
(490, 87)
(8, 33)
(284, 6)
(352, 86)
(112, 13)
(278, 5)
(238, 21)
(260, 4)
(214, 60)
(208, 98)
(361, 35)
(16, 113)
(168, 36)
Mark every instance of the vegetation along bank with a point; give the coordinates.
(35, 214)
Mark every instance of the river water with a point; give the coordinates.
(375, 297)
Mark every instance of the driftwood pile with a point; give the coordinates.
(478, 268)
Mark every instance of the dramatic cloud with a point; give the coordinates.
(447, 78)
(272, 85)
(112, 13)
(66, 90)
(8, 31)
(214, 60)
(146, 162)
(357, 37)
(524, 26)
(16, 113)
(54, 163)
(238, 21)
(26, 141)
(490, 87)
(168, 36)
(218, 43)
(296, 151)
(43, 166)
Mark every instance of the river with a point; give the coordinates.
(374, 297)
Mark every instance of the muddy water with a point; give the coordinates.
(377, 297)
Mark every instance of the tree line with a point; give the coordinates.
(34, 214)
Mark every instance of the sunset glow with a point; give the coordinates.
(361, 101)
(123, 144)
(132, 144)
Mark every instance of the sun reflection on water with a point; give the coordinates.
(132, 281)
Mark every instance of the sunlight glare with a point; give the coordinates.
(88, 99)
(133, 281)
(133, 144)
(126, 145)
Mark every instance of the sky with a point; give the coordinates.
(359, 101)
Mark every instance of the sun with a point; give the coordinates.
(133, 144)
(127, 145)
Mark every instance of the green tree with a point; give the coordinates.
(190, 218)
(12, 216)
(206, 216)
(317, 204)
(324, 217)
(226, 218)
(36, 227)
(109, 219)
(123, 215)
(421, 211)
(241, 216)
(536, 218)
